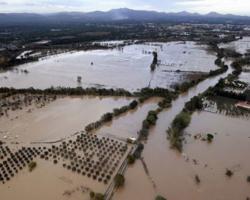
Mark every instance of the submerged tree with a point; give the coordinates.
(155, 61)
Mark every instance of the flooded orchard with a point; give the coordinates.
(129, 67)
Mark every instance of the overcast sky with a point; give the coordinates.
(202, 6)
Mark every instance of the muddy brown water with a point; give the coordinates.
(57, 120)
(127, 68)
(130, 123)
(171, 175)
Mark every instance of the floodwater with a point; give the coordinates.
(129, 123)
(168, 172)
(129, 67)
(240, 46)
(58, 119)
(49, 181)
(229, 150)
(245, 77)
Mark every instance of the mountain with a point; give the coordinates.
(118, 15)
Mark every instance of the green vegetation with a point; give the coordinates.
(155, 92)
(194, 104)
(197, 179)
(131, 159)
(119, 180)
(180, 88)
(96, 196)
(229, 173)
(70, 91)
(174, 132)
(155, 61)
(32, 165)
(239, 63)
(175, 138)
(152, 117)
(210, 137)
(181, 121)
(138, 151)
(218, 89)
(133, 104)
(108, 117)
(148, 123)
(160, 198)
(165, 103)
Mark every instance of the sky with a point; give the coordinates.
(241, 7)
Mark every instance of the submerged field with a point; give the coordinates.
(71, 161)
(241, 46)
(174, 177)
(48, 131)
(128, 66)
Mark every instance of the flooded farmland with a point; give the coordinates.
(163, 163)
(57, 120)
(129, 124)
(209, 161)
(241, 46)
(128, 66)
(85, 162)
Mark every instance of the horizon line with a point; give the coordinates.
(146, 10)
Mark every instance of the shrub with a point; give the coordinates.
(160, 198)
(131, 159)
(229, 173)
(165, 103)
(181, 121)
(107, 117)
(99, 196)
(210, 137)
(119, 180)
(197, 179)
(138, 151)
(175, 139)
(133, 104)
(194, 104)
(32, 165)
(91, 194)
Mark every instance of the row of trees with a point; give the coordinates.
(181, 121)
(69, 91)
(144, 93)
(108, 117)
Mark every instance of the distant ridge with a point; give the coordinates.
(122, 14)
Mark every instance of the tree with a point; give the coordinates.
(181, 121)
(119, 180)
(159, 197)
